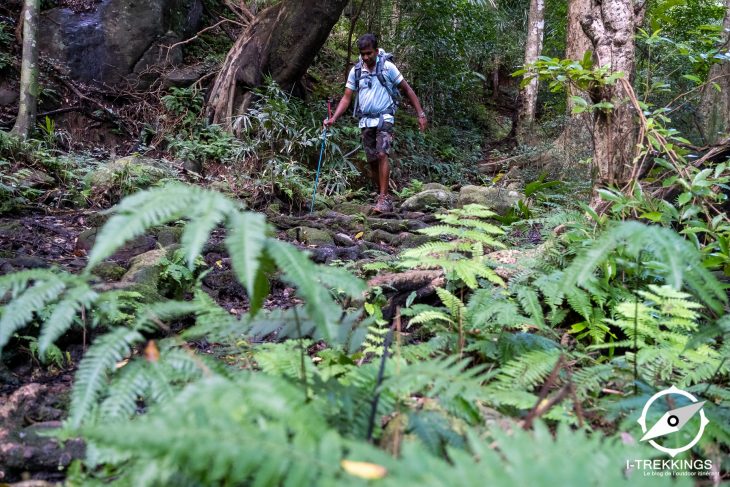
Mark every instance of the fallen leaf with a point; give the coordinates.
(359, 235)
(364, 470)
(151, 352)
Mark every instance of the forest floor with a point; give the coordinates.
(34, 396)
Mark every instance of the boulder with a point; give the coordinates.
(86, 239)
(116, 38)
(35, 178)
(145, 268)
(430, 198)
(184, 76)
(168, 235)
(118, 176)
(109, 271)
(310, 236)
(499, 200)
(436, 186)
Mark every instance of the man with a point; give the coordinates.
(376, 108)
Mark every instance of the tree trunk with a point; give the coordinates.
(714, 110)
(280, 42)
(28, 102)
(610, 27)
(533, 48)
(576, 41)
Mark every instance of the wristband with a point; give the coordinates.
(422, 115)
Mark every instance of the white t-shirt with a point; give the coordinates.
(373, 97)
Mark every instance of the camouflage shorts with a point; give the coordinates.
(376, 140)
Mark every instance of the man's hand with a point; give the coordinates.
(328, 122)
(422, 122)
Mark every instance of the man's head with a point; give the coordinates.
(368, 46)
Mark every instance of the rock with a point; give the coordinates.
(224, 281)
(10, 228)
(30, 409)
(168, 235)
(109, 271)
(86, 239)
(184, 76)
(310, 236)
(8, 96)
(379, 236)
(430, 198)
(120, 176)
(411, 240)
(145, 268)
(116, 38)
(352, 208)
(440, 186)
(195, 166)
(35, 178)
(499, 200)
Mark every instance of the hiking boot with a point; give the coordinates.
(383, 204)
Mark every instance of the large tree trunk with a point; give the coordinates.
(280, 42)
(28, 102)
(714, 111)
(610, 27)
(533, 48)
(576, 41)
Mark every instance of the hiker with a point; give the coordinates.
(377, 81)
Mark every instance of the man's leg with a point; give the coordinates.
(374, 174)
(383, 173)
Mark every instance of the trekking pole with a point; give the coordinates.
(321, 155)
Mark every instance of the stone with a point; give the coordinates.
(109, 271)
(310, 236)
(440, 186)
(352, 208)
(8, 96)
(10, 228)
(499, 200)
(145, 268)
(430, 198)
(35, 178)
(86, 239)
(184, 76)
(411, 240)
(117, 37)
(120, 175)
(378, 236)
(168, 235)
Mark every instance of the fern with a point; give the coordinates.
(677, 261)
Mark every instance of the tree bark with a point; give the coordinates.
(280, 42)
(28, 101)
(576, 41)
(533, 48)
(714, 110)
(610, 27)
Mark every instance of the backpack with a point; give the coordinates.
(395, 95)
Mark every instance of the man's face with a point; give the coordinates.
(369, 55)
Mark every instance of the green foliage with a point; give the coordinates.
(462, 256)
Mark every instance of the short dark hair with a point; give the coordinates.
(367, 40)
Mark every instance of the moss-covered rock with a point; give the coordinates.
(430, 198)
(500, 200)
(109, 271)
(440, 186)
(310, 236)
(168, 235)
(119, 177)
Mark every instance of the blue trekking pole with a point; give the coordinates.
(321, 155)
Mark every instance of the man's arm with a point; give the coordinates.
(406, 89)
(341, 107)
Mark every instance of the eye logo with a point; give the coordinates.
(673, 421)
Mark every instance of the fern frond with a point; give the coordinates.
(77, 298)
(246, 242)
(94, 369)
(20, 311)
